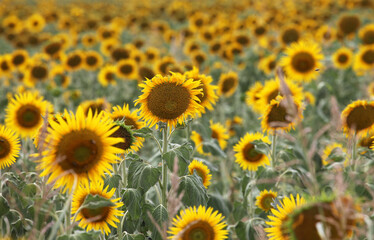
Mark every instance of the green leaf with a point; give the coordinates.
(132, 199)
(261, 147)
(96, 201)
(112, 181)
(4, 206)
(213, 147)
(239, 211)
(194, 190)
(183, 153)
(142, 175)
(160, 215)
(29, 189)
(143, 132)
(81, 235)
(128, 236)
(218, 203)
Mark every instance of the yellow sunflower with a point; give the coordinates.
(289, 35)
(247, 156)
(367, 34)
(326, 34)
(371, 90)
(227, 84)
(127, 69)
(252, 98)
(265, 199)
(96, 218)
(89, 40)
(107, 75)
(333, 148)
(198, 141)
(309, 98)
(96, 106)
(19, 59)
(364, 59)
(202, 170)
(232, 123)
(163, 64)
(80, 148)
(74, 60)
(59, 76)
(53, 49)
(267, 64)
(200, 223)
(358, 117)
(92, 60)
(9, 147)
(342, 58)
(281, 213)
(208, 96)
(220, 133)
(169, 99)
(35, 23)
(302, 60)
(36, 72)
(24, 113)
(348, 25)
(281, 114)
(130, 143)
(152, 54)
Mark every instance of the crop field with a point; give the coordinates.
(187, 119)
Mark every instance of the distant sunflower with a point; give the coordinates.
(326, 34)
(330, 149)
(208, 96)
(302, 60)
(107, 75)
(309, 98)
(59, 76)
(36, 72)
(370, 90)
(80, 147)
(73, 61)
(127, 69)
(124, 114)
(348, 25)
(200, 223)
(92, 60)
(227, 84)
(281, 213)
(9, 147)
(96, 218)
(290, 35)
(53, 49)
(19, 59)
(89, 40)
(120, 53)
(342, 58)
(247, 156)
(24, 113)
(252, 97)
(202, 170)
(163, 64)
(145, 72)
(367, 34)
(198, 141)
(358, 117)
(169, 99)
(5, 66)
(232, 123)
(152, 54)
(96, 106)
(35, 23)
(265, 199)
(364, 59)
(198, 58)
(267, 64)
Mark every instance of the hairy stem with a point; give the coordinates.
(164, 167)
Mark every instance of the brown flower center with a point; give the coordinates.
(74, 61)
(290, 35)
(368, 56)
(39, 72)
(361, 118)
(303, 62)
(123, 133)
(250, 154)
(4, 147)
(368, 37)
(28, 116)
(228, 84)
(342, 58)
(199, 230)
(96, 214)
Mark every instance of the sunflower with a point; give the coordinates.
(191, 46)
(208, 96)
(163, 64)
(96, 218)
(169, 99)
(19, 59)
(127, 69)
(120, 53)
(348, 25)
(247, 156)
(364, 59)
(92, 60)
(152, 54)
(309, 98)
(5, 65)
(9, 147)
(202, 170)
(96, 106)
(367, 34)
(107, 75)
(267, 64)
(232, 123)
(265, 200)
(251, 97)
(130, 143)
(370, 90)
(59, 76)
(342, 58)
(36, 72)
(73, 61)
(198, 58)
(281, 215)
(302, 60)
(200, 223)
(12, 24)
(24, 113)
(80, 148)
(326, 34)
(281, 114)
(333, 149)
(358, 117)
(35, 23)
(89, 40)
(197, 21)
(53, 49)
(144, 73)
(227, 84)
(198, 141)
(107, 47)
(220, 133)
(289, 35)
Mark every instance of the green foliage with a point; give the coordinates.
(142, 175)
(194, 192)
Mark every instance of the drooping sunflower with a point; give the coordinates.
(247, 156)
(200, 223)
(208, 97)
(265, 199)
(280, 215)
(107, 75)
(96, 218)
(96, 106)
(267, 64)
(364, 59)
(281, 114)
(358, 117)
(227, 84)
(367, 34)
(202, 170)
(252, 98)
(333, 149)
(219, 132)
(92, 60)
(342, 58)
(24, 113)
(127, 69)
(80, 148)
(302, 60)
(9, 147)
(169, 99)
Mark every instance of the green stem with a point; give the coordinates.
(67, 217)
(118, 194)
(164, 167)
(273, 149)
(354, 152)
(124, 173)
(251, 203)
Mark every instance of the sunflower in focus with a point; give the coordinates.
(247, 156)
(367, 34)
(24, 113)
(130, 143)
(200, 223)
(265, 199)
(9, 147)
(302, 60)
(80, 148)
(169, 99)
(358, 117)
(275, 231)
(220, 133)
(96, 218)
(124, 114)
(342, 58)
(227, 84)
(202, 170)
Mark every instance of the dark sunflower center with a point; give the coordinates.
(290, 36)
(164, 67)
(272, 95)
(145, 72)
(199, 58)
(120, 53)
(260, 31)
(368, 57)
(266, 201)
(109, 76)
(272, 65)
(74, 61)
(215, 47)
(131, 122)
(367, 141)
(215, 134)
(199, 230)
(242, 40)
(96, 214)
(53, 48)
(278, 117)
(35, 23)
(39, 72)
(123, 133)
(250, 153)
(368, 37)
(28, 116)
(79, 151)
(199, 22)
(360, 118)
(327, 35)
(342, 58)
(4, 147)
(150, 56)
(18, 59)
(168, 101)
(106, 34)
(200, 173)
(95, 108)
(126, 69)
(4, 66)
(349, 24)
(91, 60)
(228, 84)
(303, 62)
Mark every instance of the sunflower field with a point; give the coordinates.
(187, 120)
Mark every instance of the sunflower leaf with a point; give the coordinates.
(194, 191)
(96, 201)
(128, 236)
(182, 152)
(132, 199)
(213, 148)
(160, 215)
(142, 175)
(143, 132)
(4, 206)
(261, 147)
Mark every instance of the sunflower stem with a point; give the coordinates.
(273, 151)
(164, 167)
(124, 174)
(354, 152)
(252, 175)
(118, 194)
